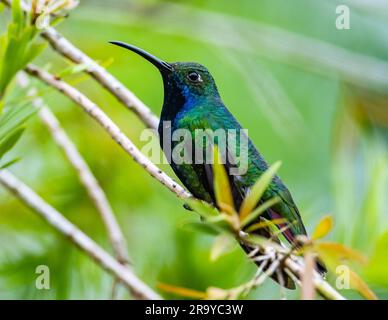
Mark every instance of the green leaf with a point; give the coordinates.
(222, 189)
(73, 69)
(34, 51)
(258, 190)
(259, 210)
(203, 208)
(17, 47)
(10, 128)
(265, 224)
(323, 228)
(201, 227)
(7, 143)
(9, 163)
(14, 117)
(17, 14)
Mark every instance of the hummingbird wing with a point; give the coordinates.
(203, 117)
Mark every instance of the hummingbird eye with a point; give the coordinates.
(194, 77)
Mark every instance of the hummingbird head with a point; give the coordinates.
(184, 82)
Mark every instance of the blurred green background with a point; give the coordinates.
(310, 95)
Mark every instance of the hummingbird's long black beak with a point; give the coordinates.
(160, 64)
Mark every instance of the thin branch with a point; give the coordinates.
(322, 287)
(74, 234)
(294, 266)
(68, 50)
(109, 126)
(308, 290)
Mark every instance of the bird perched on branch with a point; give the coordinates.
(192, 103)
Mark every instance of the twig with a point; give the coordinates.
(74, 234)
(259, 279)
(67, 49)
(293, 266)
(308, 290)
(109, 126)
(322, 287)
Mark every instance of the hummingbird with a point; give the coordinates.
(192, 102)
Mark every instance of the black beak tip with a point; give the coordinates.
(160, 64)
(116, 43)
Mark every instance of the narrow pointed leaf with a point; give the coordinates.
(9, 163)
(334, 254)
(183, 292)
(323, 228)
(221, 185)
(358, 284)
(200, 227)
(265, 224)
(203, 208)
(258, 211)
(261, 241)
(258, 189)
(13, 117)
(73, 69)
(10, 141)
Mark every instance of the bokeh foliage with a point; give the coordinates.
(324, 130)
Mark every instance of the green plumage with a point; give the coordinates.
(197, 105)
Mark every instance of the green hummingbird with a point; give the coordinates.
(192, 102)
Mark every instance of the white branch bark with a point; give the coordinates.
(74, 234)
